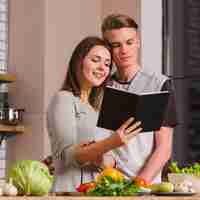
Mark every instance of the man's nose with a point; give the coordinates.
(123, 49)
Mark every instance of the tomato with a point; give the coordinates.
(86, 186)
(141, 182)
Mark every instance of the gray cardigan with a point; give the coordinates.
(69, 122)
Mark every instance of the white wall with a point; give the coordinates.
(65, 25)
(148, 15)
(128, 7)
(42, 35)
(26, 61)
(151, 34)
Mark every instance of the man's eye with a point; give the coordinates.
(130, 42)
(115, 45)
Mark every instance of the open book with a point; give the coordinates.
(118, 106)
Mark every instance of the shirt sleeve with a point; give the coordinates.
(61, 123)
(170, 117)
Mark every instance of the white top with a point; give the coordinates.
(132, 157)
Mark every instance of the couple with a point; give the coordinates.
(76, 142)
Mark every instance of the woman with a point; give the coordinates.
(72, 117)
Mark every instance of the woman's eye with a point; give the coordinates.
(107, 64)
(95, 60)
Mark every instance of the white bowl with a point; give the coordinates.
(178, 178)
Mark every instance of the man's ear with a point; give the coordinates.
(138, 40)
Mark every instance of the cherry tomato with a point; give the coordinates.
(86, 186)
(141, 182)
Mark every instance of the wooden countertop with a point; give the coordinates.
(151, 197)
(145, 197)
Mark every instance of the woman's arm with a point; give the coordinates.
(62, 130)
(94, 151)
(61, 125)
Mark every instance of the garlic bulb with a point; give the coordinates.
(9, 189)
(180, 188)
(184, 186)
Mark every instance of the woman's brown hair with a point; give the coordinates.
(71, 82)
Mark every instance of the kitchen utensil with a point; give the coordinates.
(11, 116)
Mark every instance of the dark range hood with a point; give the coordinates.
(181, 62)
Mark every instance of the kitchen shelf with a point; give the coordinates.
(7, 78)
(7, 131)
(11, 129)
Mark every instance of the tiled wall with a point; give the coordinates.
(3, 35)
(3, 69)
(2, 160)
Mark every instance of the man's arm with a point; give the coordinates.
(163, 138)
(160, 155)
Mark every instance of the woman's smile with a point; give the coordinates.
(98, 75)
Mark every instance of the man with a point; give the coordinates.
(146, 154)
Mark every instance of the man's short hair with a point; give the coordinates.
(117, 21)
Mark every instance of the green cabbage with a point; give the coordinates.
(31, 177)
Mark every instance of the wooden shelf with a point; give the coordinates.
(7, 78)
(15, 129)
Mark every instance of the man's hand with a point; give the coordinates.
(160, 155)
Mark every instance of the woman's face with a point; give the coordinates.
(95, 67)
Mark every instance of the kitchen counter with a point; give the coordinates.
(144, 197)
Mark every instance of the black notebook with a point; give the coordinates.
(118, 106)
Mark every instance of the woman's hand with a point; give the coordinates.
(126, 132)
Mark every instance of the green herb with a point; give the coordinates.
(108, 187)
(193, 169)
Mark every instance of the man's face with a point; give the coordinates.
(125, 43)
